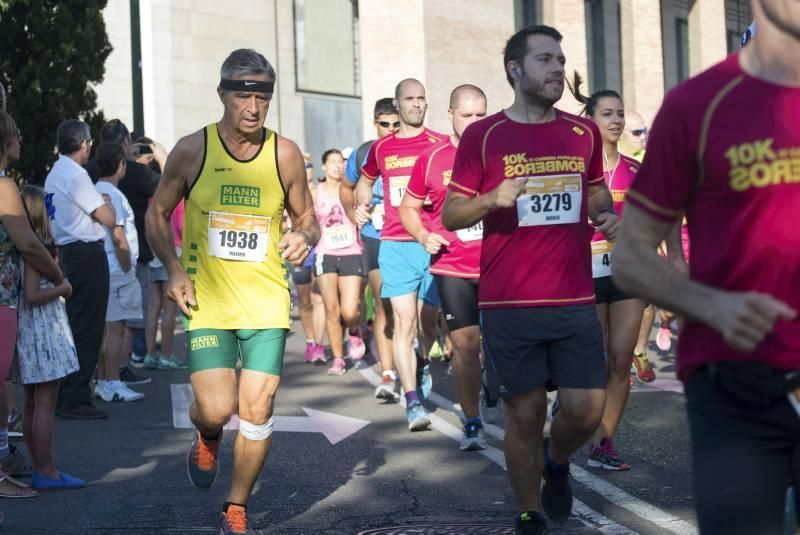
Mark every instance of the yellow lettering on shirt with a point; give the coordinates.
(446, 176)
(520, 165)
(758, 165)
(395, 162)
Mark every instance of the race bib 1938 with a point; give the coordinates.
(378, 212)
(397, 188)
(475, 232)
(601, 258)
(238, 236)
(550, 200)
(338, 236)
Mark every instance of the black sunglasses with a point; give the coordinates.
(309, 166)
(387, 124)
(639, 132)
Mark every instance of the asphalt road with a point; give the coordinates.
(381, 479)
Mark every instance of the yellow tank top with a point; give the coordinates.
(232, 225)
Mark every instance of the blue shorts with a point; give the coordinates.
(406, 268)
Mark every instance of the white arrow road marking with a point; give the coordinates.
(334, 427)
(614, 494)
(583, 512)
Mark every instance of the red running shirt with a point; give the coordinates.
(393, 158)
(618, 181)
(738, 179)
(536, 253)
(429, 180)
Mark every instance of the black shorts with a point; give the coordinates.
(459, 299)
(301, 274)
(530, 346)
(371, 249)
(606, 292)
(344, 266)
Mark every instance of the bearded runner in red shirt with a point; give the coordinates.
(534, 175)
(456, 257)
(738, 180)
(404, 263)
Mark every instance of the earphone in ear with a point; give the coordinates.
(517, 72)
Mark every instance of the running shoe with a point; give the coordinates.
(357, 348)
(644, 372)
(201, 461)
(417, 417)
(425, 381)
(127, 376)
(64, 482)
(234, 522)
(387, 389)
(437, 351)
(490, 408)
(137, 361)
(172, 363)
(556, 492)
(605, 456)
(530, 525)
(555, 406)
(664, 339)
(308, 354)
(150, 361)
(339, 367)
(112, 391)
(474, 438)
(15, 464)
(319, 354)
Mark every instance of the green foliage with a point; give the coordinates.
(53, 53)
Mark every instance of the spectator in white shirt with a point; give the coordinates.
(78, 214)
(125, 295)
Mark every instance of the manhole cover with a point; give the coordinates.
(443, 529)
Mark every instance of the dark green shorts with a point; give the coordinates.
(259, 350)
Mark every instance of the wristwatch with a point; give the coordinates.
(308, 240)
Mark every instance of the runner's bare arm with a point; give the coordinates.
(601, 211)
(296, 245)
(361, 214)
(412, 221)
(461, 211)
(347, 194)
(743, 319)
(183, 166)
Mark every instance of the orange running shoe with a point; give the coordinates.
(644, 372)
(201, 461)
(234, 521)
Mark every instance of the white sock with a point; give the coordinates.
(4, 451)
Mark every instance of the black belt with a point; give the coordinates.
(80, 244)
(752, 381)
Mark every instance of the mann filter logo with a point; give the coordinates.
(240, 196)
(205, 342)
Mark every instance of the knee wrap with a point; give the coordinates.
(252, 431)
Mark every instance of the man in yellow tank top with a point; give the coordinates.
(237, 178)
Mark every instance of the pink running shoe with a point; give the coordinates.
(319, 354)
(339, 367)
(357, 348)
(308, 355)
(664, 339)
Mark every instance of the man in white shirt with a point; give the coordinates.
(121, 245)
(78, 214)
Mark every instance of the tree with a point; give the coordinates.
(53, 54)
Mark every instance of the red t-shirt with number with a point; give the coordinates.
(429, 180)
(536, 253)
(393, 158)
(738, 180)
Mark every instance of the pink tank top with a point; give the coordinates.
(340, 237)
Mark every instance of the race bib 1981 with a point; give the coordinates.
(601, 258)
(238, 236)
(338, 236)
(550, 200)
(397, 188)
(475, 232)
(378, 212)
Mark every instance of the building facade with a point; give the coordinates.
(334, 58)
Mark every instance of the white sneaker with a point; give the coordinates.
(116, 391)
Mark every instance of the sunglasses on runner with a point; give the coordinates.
(387, 124)
(639, 132)
(309, 166)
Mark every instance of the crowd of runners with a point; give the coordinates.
(535, 245)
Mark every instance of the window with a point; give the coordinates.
(682, 43)
(737, 19)
(595, 40)
(527, 13)
(326, 46)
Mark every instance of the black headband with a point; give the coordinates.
(250, 86)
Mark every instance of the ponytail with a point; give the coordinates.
(590, 102)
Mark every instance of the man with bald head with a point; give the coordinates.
(634, 137)
(455, 263)
(404, 263)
